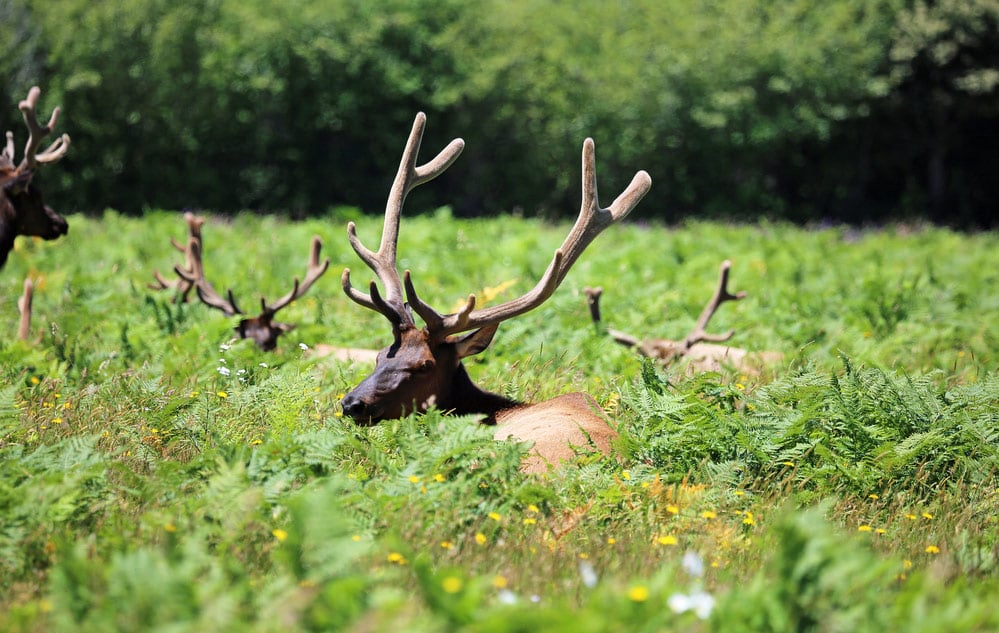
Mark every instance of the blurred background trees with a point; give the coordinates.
(842, 110)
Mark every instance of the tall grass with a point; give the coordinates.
(851, 487)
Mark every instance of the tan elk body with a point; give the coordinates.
(22, 209)
(422, 367)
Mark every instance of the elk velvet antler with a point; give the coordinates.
(22, 209)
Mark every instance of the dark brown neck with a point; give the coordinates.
(7, 235)
(466, 397)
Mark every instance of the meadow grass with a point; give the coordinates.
(851, 487)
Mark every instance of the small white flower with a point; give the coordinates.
(693, 564)
(535, 598)
(588, 574)
(224, 371)
(505, 596)
(699, 601)
(221, 361)
(224, 347)
(264, 365)
(303, 347)
(240, 372)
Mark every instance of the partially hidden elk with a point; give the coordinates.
(22, 209)
(422, 367)
(262, 329)
(699, 349)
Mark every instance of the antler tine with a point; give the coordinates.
(24, 307)
(591, 221)
(314, 272)
(36, 132)
(593, 301)
(383, 262)
(720, 296)
(206, 292)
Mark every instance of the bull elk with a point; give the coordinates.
(22, 210)
(422, 367)
(699, 348)
(262, 329)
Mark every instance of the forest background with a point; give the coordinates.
(842, 110)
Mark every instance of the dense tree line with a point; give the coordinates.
(843, 109)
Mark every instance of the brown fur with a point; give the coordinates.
(557, 428)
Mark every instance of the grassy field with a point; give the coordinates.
(156, 475)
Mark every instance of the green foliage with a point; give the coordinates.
(141, 488)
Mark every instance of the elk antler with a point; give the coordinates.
(314, 271)
(591, 221)
(721, 295)
(181, 284)
(36, 132)
(24, 307)
(383, 262)
(664, 349)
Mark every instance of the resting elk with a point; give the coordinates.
(699, 348)
(422, 367)
(262, 329)
(22, 210)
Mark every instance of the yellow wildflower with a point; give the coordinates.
(414, 479)
(495, 516)
(709, 514)
(666, 539)
(672, 509)
(864, 528)
(396, 557)
(279, 534)
(480, 538)
(222, 394)
(638, 593)
(932, 549)
(499, 582)
(451, 584)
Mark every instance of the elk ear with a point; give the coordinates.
(475, 342)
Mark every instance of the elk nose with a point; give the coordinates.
(354, 407)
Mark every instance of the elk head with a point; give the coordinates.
(22, 209)
(423, 366)
(262, 329)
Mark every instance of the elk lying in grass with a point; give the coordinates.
(22, 210)
(262, 329)
(699, 348)
(422, 367)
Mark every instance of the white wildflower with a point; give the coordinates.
(505, 596)
(303, 347)
(699, 601)
(588, 574)
(693, 564)
(224, 371)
